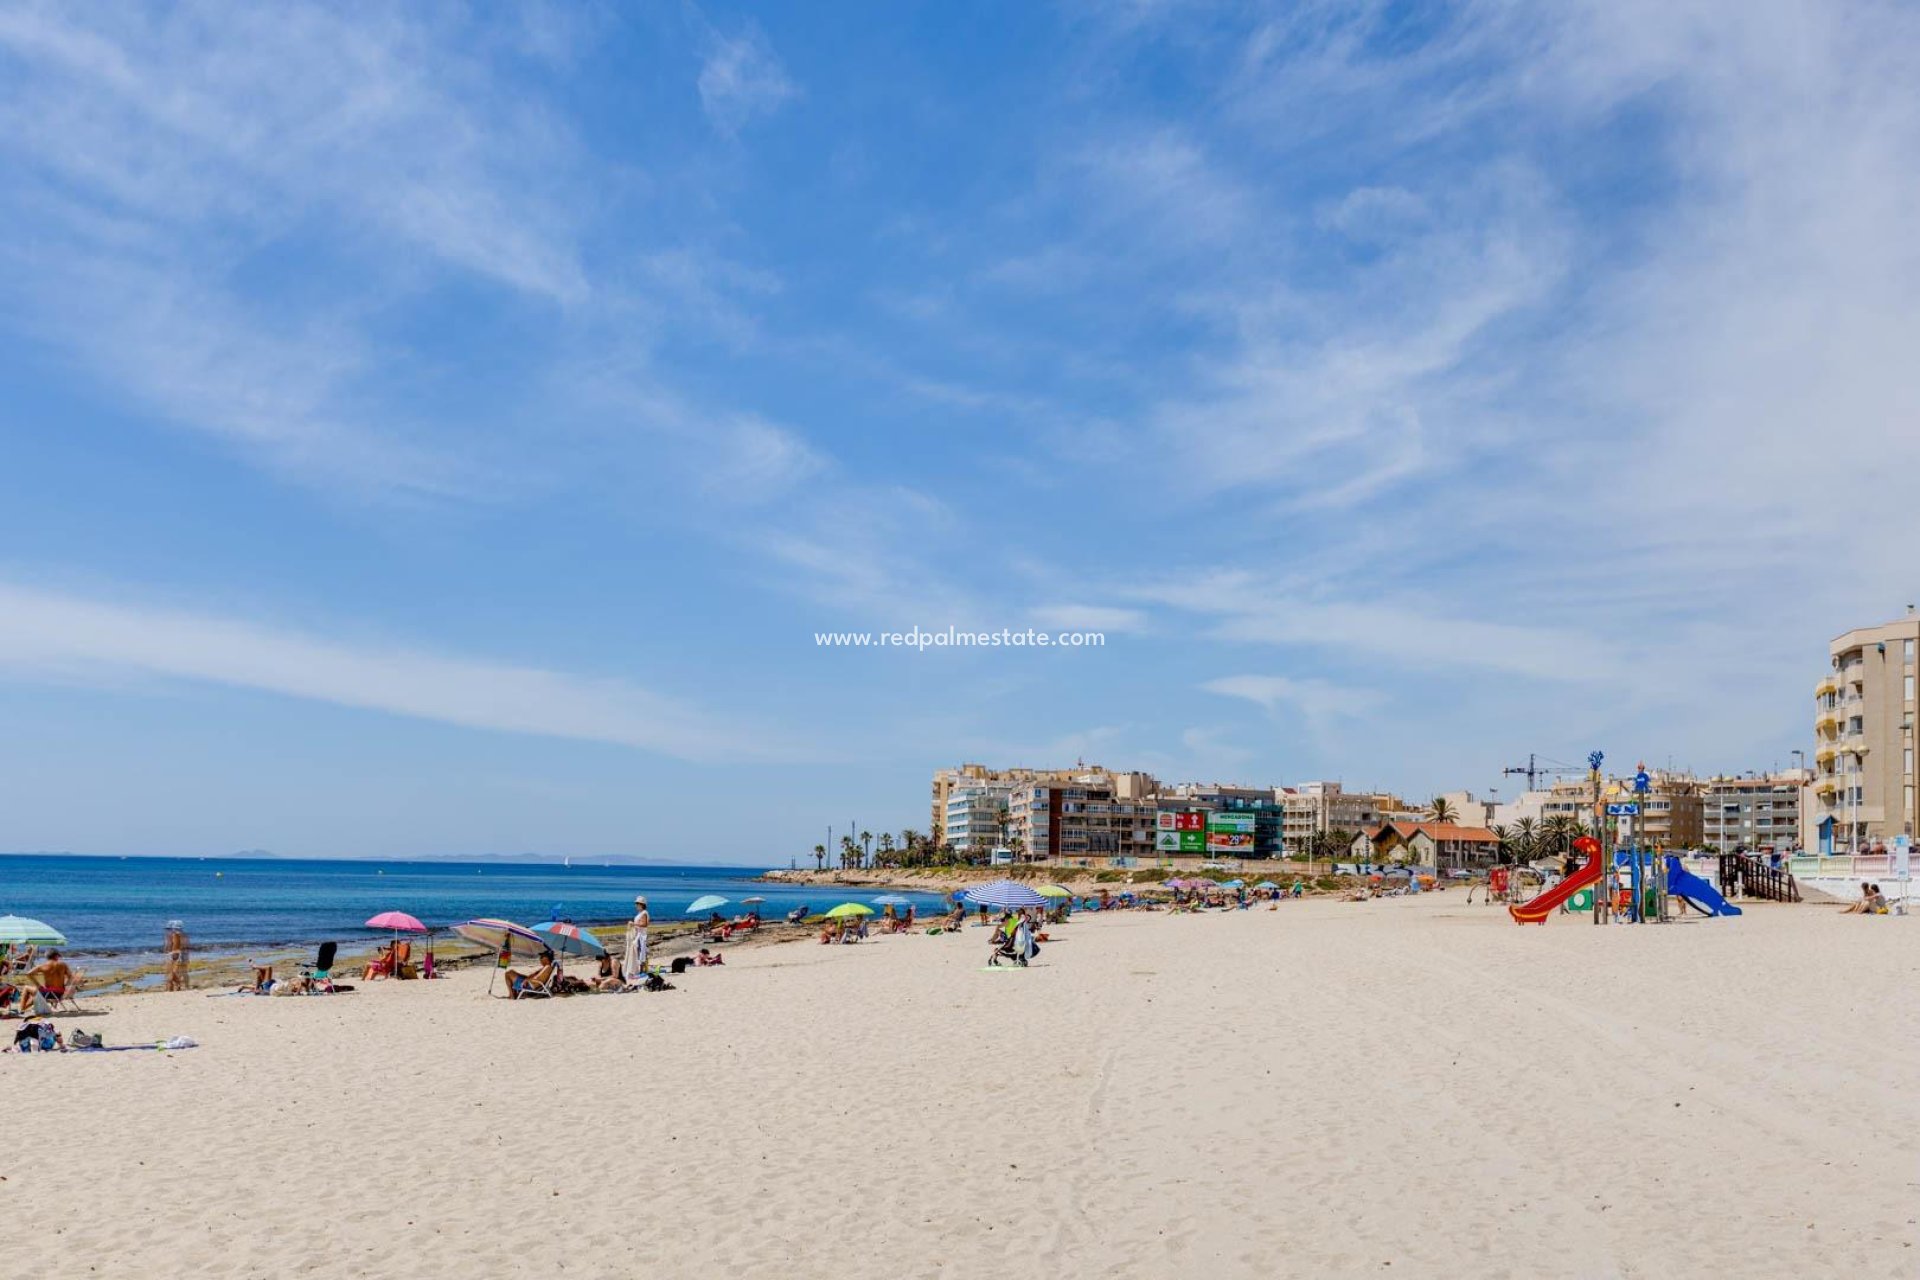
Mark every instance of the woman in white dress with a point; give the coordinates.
(634, 965)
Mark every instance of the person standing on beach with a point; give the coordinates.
(635, 965)
(176, 976)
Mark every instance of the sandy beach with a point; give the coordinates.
(1399, 1086)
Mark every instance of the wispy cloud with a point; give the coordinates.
(742, 80)
(161, 159)
(1319, 702)
(45, 634)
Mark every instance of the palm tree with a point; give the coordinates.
(819, 857)
(866, 847)
(1504, 835)
(1526, 838)
(911, 841)
(1557, 834)
(886, 848)
(849, 852)
(1443, 810)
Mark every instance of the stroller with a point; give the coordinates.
(1017, 946)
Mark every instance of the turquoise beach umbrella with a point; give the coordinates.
(19, 931)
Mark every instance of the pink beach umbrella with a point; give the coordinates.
(399, 922)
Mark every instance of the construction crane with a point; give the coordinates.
(1534, 770)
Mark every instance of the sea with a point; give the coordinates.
(122, 907)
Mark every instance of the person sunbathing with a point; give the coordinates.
(826, 934)
(540, 978)
(706, 958)
(381, 966)
(1860, 907)
(609, 977)
(54, 977)
(262, 980)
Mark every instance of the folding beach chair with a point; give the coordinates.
(320, 976)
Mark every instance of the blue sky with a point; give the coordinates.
(443, 429)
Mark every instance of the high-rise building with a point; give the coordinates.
(1754, 812)
(1864, 779)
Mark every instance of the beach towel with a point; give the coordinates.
(635, 960)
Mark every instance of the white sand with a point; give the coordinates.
(1400, 1087)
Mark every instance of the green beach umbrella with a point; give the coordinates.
(22, 932)
(846, 909)
(1053, 891)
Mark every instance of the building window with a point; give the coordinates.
(1906, 652)
(1909, 686)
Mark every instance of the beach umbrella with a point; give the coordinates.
(848, 910)
(397, 922)
(1053, 891)
(1232, 884)
(568, 939)
(892, 900)
(707, 903)
(1266, 884)
(504, 938)
(19, 931)
(1006, 895)
(753, 901)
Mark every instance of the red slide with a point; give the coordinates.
(1537, 908)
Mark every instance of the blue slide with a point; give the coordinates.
(1701, 896)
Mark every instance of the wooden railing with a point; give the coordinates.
(1752, 877)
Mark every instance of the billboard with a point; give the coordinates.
(1186, 820)
(1230, 834)
(1180, 841)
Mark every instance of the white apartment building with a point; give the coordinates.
(1864, 779)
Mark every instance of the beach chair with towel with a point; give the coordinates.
(320, 976)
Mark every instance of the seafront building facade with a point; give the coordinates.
(1755, 812)
(1316, 808)
(1864, 779)
(1672, 812)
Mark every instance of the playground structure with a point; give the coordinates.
(1634, 885)
(1536, 909)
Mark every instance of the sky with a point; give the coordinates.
(443, 429)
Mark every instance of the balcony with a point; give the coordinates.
(1825, 752)
(1827, 723)
(1827, 685)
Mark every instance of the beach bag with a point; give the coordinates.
(85, 1040)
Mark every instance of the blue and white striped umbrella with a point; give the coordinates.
(1004, 895)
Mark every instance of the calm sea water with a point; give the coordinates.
(121, 906)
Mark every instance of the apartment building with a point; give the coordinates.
(1092, 817)
(1002, 782)
(1864, 779)
(976, 816)
(1754, 811)
(1315, 807)
(1672, 812)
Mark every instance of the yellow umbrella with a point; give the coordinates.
(846, 909)
(1052, 891)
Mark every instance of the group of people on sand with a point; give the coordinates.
(630, 970)
(1872, 902)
